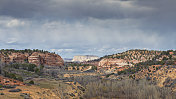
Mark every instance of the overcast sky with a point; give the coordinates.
(87, 27)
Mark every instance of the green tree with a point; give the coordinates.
(20, 79)
(31, 82)
(31, 67)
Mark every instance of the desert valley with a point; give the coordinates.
(87, 49)
(133, 74)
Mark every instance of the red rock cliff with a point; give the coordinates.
(36, 58)
(48, 59)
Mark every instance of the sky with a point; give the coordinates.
(87, 27)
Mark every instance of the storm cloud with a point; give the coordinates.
(74, 9)
(99, 27)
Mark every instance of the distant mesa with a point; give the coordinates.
(84, 58)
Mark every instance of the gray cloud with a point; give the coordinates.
(100, 27)
(162, 18)
(74, 9)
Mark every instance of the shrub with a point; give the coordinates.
(126, 89)
(10, 75)
(15, 90)
(109, 75)
(31, 82)
(1, 85)
(31, 67)
(20, 79)
(94, 67)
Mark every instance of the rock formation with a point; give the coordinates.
(115, 62)
(113, 65)
(84, 58)
(37, 58)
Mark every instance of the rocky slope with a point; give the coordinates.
(42, 89)
(30, 92)
(31, 56)
(132, 57)
(163, 76)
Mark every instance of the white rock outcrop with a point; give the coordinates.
(83, 58)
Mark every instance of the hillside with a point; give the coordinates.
(137, 54)
(131, 58)
(158, 74)
(43, 89)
